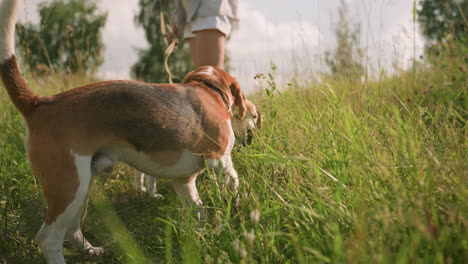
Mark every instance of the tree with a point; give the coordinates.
(68, 38)
(345, 59)
(440, 18)
(149, 66)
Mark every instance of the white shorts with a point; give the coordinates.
(221, 23)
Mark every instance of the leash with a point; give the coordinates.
(170, 47)
(166, 30)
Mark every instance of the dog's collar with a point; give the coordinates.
(217, 90)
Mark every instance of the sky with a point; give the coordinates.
(290, 33)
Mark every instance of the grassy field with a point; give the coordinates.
(341, 172)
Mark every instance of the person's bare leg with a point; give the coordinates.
(209, 48)
(193, 50)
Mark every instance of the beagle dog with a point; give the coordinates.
(243, 132)
(168, 130)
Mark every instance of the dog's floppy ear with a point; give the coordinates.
(239, 97)
(254, 112)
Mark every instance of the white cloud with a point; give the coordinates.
(395, 43)
(403, 42)
(257, 35)
(121, 38)
(258, 41)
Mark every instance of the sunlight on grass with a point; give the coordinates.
(341, 172)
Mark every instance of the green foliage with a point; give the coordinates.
(440, 19)
(346, 59)
(149, 66)
(68, 38)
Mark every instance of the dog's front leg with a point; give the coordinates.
(150, 184)
(225, 167)
(188, 194)
(151, 187)
(232, 179)
(139, 186)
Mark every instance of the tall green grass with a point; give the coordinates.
(342, 171)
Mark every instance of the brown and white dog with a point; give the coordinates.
(166, 130)
(244, 135)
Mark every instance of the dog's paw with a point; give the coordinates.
(236, 200)
(156, 196)
(200, 214)
(141, 189)
(95, 251)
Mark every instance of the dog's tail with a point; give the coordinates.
(23, 98)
